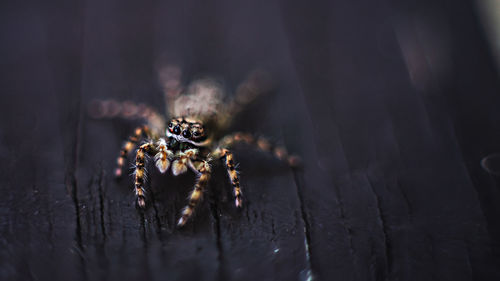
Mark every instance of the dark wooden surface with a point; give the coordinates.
(392, 106)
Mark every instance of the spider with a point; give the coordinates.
(193, 138)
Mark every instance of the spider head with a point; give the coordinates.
(186, 130)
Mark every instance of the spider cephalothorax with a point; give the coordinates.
(187, 130)
(190, 140)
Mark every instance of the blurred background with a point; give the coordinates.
(392, 105)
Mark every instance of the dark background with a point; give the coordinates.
(391, 104)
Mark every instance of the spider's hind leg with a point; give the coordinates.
(263, 144)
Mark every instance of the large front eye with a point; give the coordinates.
(186, 134)
(177, 130)
(170, 125)
(196, 133)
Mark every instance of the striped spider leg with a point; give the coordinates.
(198, 117)
(147, 149)
(189, 158)
(228, 160)
(260, 143)
(130, 145)
(162, 157)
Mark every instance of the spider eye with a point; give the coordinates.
(186, 134)
(196, 133)
(170, 125)
(177, 130)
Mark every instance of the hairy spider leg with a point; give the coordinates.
(233, 174)
(170, 77)
(203, 170)
(101, 109)
(162, 158)
(261, 143)
(140, 171)
(255, 84)
(128, 146)
(180, 165)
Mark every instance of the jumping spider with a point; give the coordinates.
(193, 138)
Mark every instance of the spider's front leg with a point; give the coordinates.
(227, 155)
(163, 156)
(128, 146)
(202, 169)
(181, 164)
(140, 171)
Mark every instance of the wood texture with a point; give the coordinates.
(392, 107)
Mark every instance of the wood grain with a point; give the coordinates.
(392, 107)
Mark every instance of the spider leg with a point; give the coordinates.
(256, 83)
(231, 171)
(180, 165)
(128, 146)
(163, 156)
(203, 170)
(140, 171)
(263, 144)
(108, 109)
(170, 77)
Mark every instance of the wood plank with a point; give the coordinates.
(391, 186)
(386, 183)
